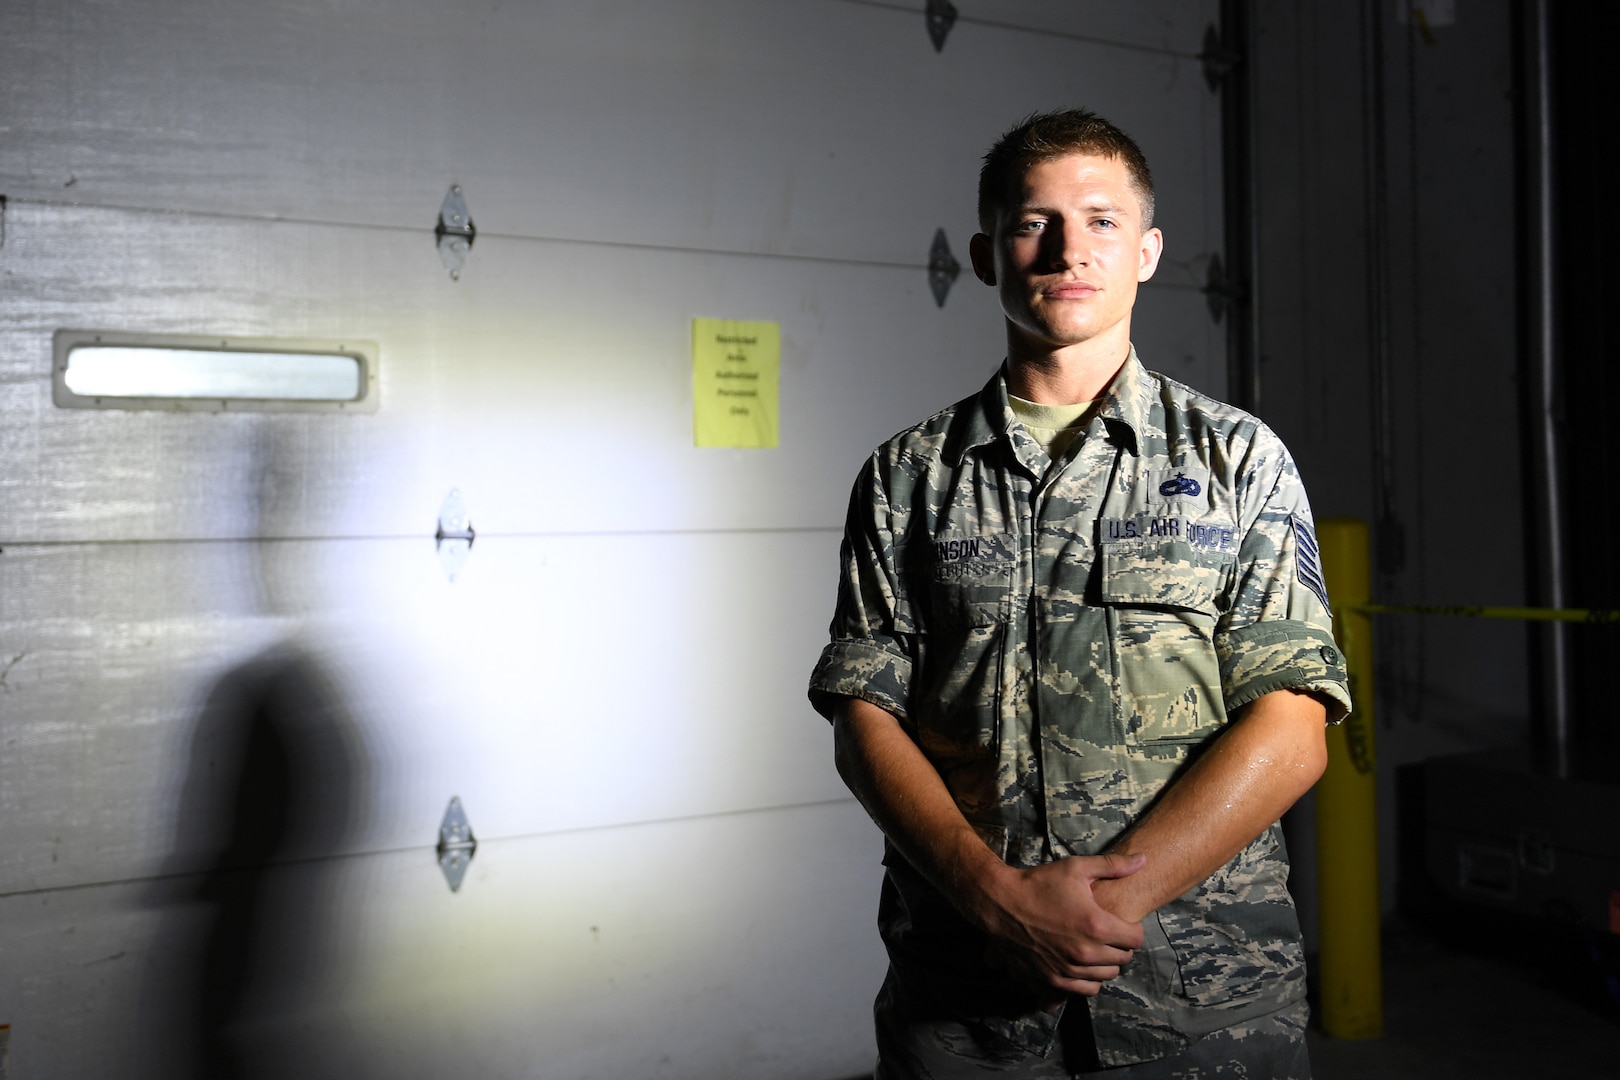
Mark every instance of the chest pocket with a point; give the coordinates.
(962, 590)
(1163, 599)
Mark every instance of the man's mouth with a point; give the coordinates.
(1070, 290)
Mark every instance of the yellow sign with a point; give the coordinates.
(736, 378)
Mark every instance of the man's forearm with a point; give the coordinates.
(903, 793)
(1043, 919)
(1270, 755)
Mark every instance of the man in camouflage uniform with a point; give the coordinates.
(1081, 663)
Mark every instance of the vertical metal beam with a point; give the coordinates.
(1239, 177)
(1387, 526)
(1546, 473)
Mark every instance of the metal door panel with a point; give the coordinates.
(114, 657)
(673, 907)
(579, 682)
(830, 130)
(499, 384)
(560, 683)
(1164, 25)
(711, 947)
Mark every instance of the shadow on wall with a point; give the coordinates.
(273, 790)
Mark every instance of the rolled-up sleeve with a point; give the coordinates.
(1277, 633)
(870, 655)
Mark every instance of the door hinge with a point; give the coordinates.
(941, 16)
(942, 267)
(453, 539)
(455, 232)
(456, 843)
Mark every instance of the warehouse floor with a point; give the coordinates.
(1482, 1006)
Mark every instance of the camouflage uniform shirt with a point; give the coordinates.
(1059, 637)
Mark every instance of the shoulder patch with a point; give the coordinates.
(1309, 559)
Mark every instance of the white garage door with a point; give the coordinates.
(238, 686)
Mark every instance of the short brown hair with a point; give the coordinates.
(1042, 137)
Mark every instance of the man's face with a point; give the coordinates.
(1068, 253)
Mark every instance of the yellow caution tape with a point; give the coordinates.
(1523, 614)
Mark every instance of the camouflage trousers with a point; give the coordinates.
(1270, 1047)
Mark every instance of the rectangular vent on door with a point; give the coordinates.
(195, 373)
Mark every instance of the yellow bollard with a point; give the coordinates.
(1350, 966)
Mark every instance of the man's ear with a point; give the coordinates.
(1152, 248)
(983, 258)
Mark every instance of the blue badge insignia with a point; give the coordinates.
(1180, 484)
(1309, 559)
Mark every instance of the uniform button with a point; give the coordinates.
(1330, 654)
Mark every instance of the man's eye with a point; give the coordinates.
(1105, 223)
(1031, 226)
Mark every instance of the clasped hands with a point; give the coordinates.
(1051, 925)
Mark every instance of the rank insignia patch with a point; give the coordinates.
(1310, 559)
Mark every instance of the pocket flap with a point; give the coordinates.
(1166, 574)
(966, 580)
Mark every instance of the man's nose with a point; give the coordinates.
(1064, 253)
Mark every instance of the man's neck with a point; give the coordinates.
(1065, 376)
